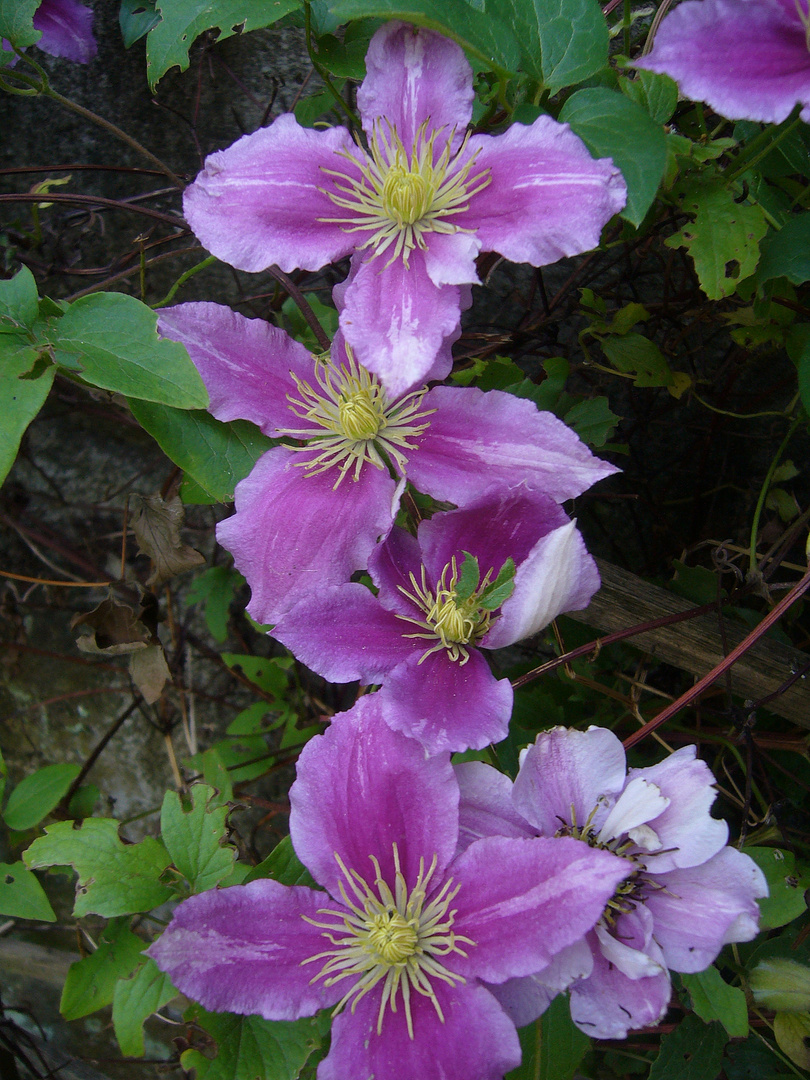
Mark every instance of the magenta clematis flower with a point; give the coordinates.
(479, 578)
(415, 207)
(399, 943)
(66, 28)
(312, 510)
(748, 59)
(687, 894)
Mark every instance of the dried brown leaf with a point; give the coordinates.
(149, 672)
(156, 524)
(115, 629)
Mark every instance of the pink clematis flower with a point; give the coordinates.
(312, 510)
(66, 29)
(688, 894)
(748, 59)
(479, 578)
(400, 941)
(415, 207)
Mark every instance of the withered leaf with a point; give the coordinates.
(149, 672)
(156, 524)
(115, 629)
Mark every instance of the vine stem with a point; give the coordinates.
(798, 590)
(766, 483)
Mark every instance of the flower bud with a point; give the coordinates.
(782, 985)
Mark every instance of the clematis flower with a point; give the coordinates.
(311, 511)
(416, 206)
(687, 895)
(478, 578)
(399, 941)
(66, 28)
(748, 59)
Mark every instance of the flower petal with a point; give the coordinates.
(630, 948)
(415, 77)
(548, 198)
(702, 908)
(757, 67)
(360, 789)
(444, 705)
(390, 566)
(486, 807)
(568, 772)
(67, 30)
(545, 896)
(504, 440)
(640, 802)
(241, 950)
(527, 998)
(293, 534)
(263, 200)
(397, 321)
(475, 1041)
(245, 363)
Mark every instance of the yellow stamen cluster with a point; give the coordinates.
(360, 423)
(399, 196)
(395, 938)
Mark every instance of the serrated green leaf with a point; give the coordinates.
(215, 588)
(485, 37)
(611, 125)
(90, 982)
(182, 22)
(35, 796)
(249, 1047)
(21, 895)
(786, 886)
(713, 999)
(215, 774)
(693, 1051)
(16, 22)
(469, 574)
(193, 836)
(656, 94)
(19, 301)
(723, 240)
(114, 339)
(136, 999)
(282, 864)
(592, 420)
(136, 18)
(20, 399)
(114, 878)
(562, 42)
(215, 455)
(637, 355)
(786, 253)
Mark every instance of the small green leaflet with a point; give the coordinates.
(21, 895)
(16, 22)
(35, 796)
(193, 836)
(282, 864)
(90, 982)
(786, 885)
(499, 591)
(136, 999)
(469, 575)
(713, 999)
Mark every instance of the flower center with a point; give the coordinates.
(395, 938)
(401, 196)
(357, 421)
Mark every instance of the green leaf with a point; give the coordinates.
(562, 42)
(713, 999)
(786, 253)
(798, 349)
(501, 588)
(215, 455)
(215, 588)
(35, 796)
(656, 94)
(249, 1047)
(193, 838)
(469, 575)
(611, 125)
(136, 999)
(693, 1051)
(21, 895)
(282, 864)
(83, 801)
(723, 240)
(136, 18)
(19, 301)
(3, 777)
(114, 339)
(636, 354)
(786, 886)
(552, 1047)
(592, 420)
(90, 982)
(215, 774)
(486, 38)
(20, 399)
(182, 22)
(114, 878)
(16, 22)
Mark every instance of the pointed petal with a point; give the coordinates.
(567, 771)
(397, 321)
(700, 909)
(412, 77)
(390, 566)
(263, 200)
(523, 901)
(344, 633)
(640, 802)
(67, 30)
(293, 534)
(245, 363)
(486, 807)
(241, 949)
(505, 440)
(527, 998)
(758, 66)
(444, 705)
(547, 199)
(360, 789)
(475, 1040)
(630, 948)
